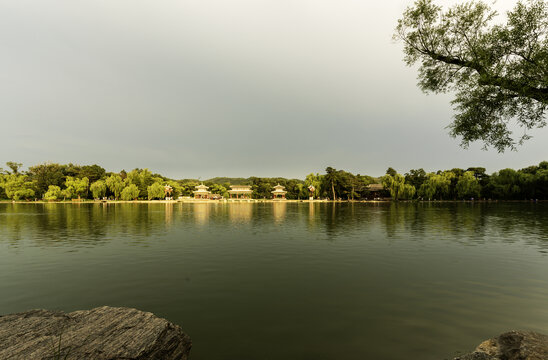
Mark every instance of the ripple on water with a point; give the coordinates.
(384, 281)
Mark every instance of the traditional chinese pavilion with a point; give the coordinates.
(167, 191)
(202, 192)
(240, 192)
(312, 190)
(279, 192)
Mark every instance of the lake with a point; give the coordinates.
(290, 280)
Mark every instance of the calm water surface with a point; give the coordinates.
(289, 280)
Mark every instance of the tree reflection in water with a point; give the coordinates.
(88, 224)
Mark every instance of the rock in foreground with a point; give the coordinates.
(513, 345)
(104, 333)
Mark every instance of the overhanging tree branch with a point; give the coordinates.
(461, 50)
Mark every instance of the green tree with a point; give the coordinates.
(497, 71)
(390, 171)
(14, 166)
(98, 189)
(314, 180)
(480, 174)
(66, 194)
(444, 184)
(541, 182)
(436, 185)
(346, 184)
(293, 187)
(176, 188)
(261, 187)
(46, 174)
(72, 170)
(24, 193)
(146, 178)
(188, 187)
(218, 189)
(92, 172)
(142, 178)
(302, 191)
(2, 185)
(330, 178)
(397, 187)
(76, 187)
(17, 186)
(130, 192)
(428, 188)
(132, 177)
(528, 185)
(54, 192)
(408, 192)
(415, 177)
(155, 191)
(505, 184)
(394, 183)
(468, 186)
(115, 184)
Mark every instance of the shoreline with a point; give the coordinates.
(228, 201)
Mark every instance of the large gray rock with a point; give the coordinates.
(513, 345)
(104, 333)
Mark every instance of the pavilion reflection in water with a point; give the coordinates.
(278, 211)
(201, 213)
(312, 217)
(240, 212)
(168, 213)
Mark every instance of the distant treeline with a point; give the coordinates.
(51, 181)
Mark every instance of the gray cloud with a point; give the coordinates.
(215, 88)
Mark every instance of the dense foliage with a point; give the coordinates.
(64, 182)
(497, 70)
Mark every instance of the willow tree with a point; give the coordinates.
(397, 186)
(54, 192)
(98, 189)
(468, 186)
(395, 183)
(130, 192)
(115, 184)
(76, 186)
(436, 185)
(17, 186)
(498, 70)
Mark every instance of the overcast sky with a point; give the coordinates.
(208, 88)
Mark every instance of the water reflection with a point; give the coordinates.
(367, 276)
(240, 212)
(169, 213)
(466, 223)
(278, 211)
(312, 218)
(201, 213)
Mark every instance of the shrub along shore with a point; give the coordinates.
(52, 182)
